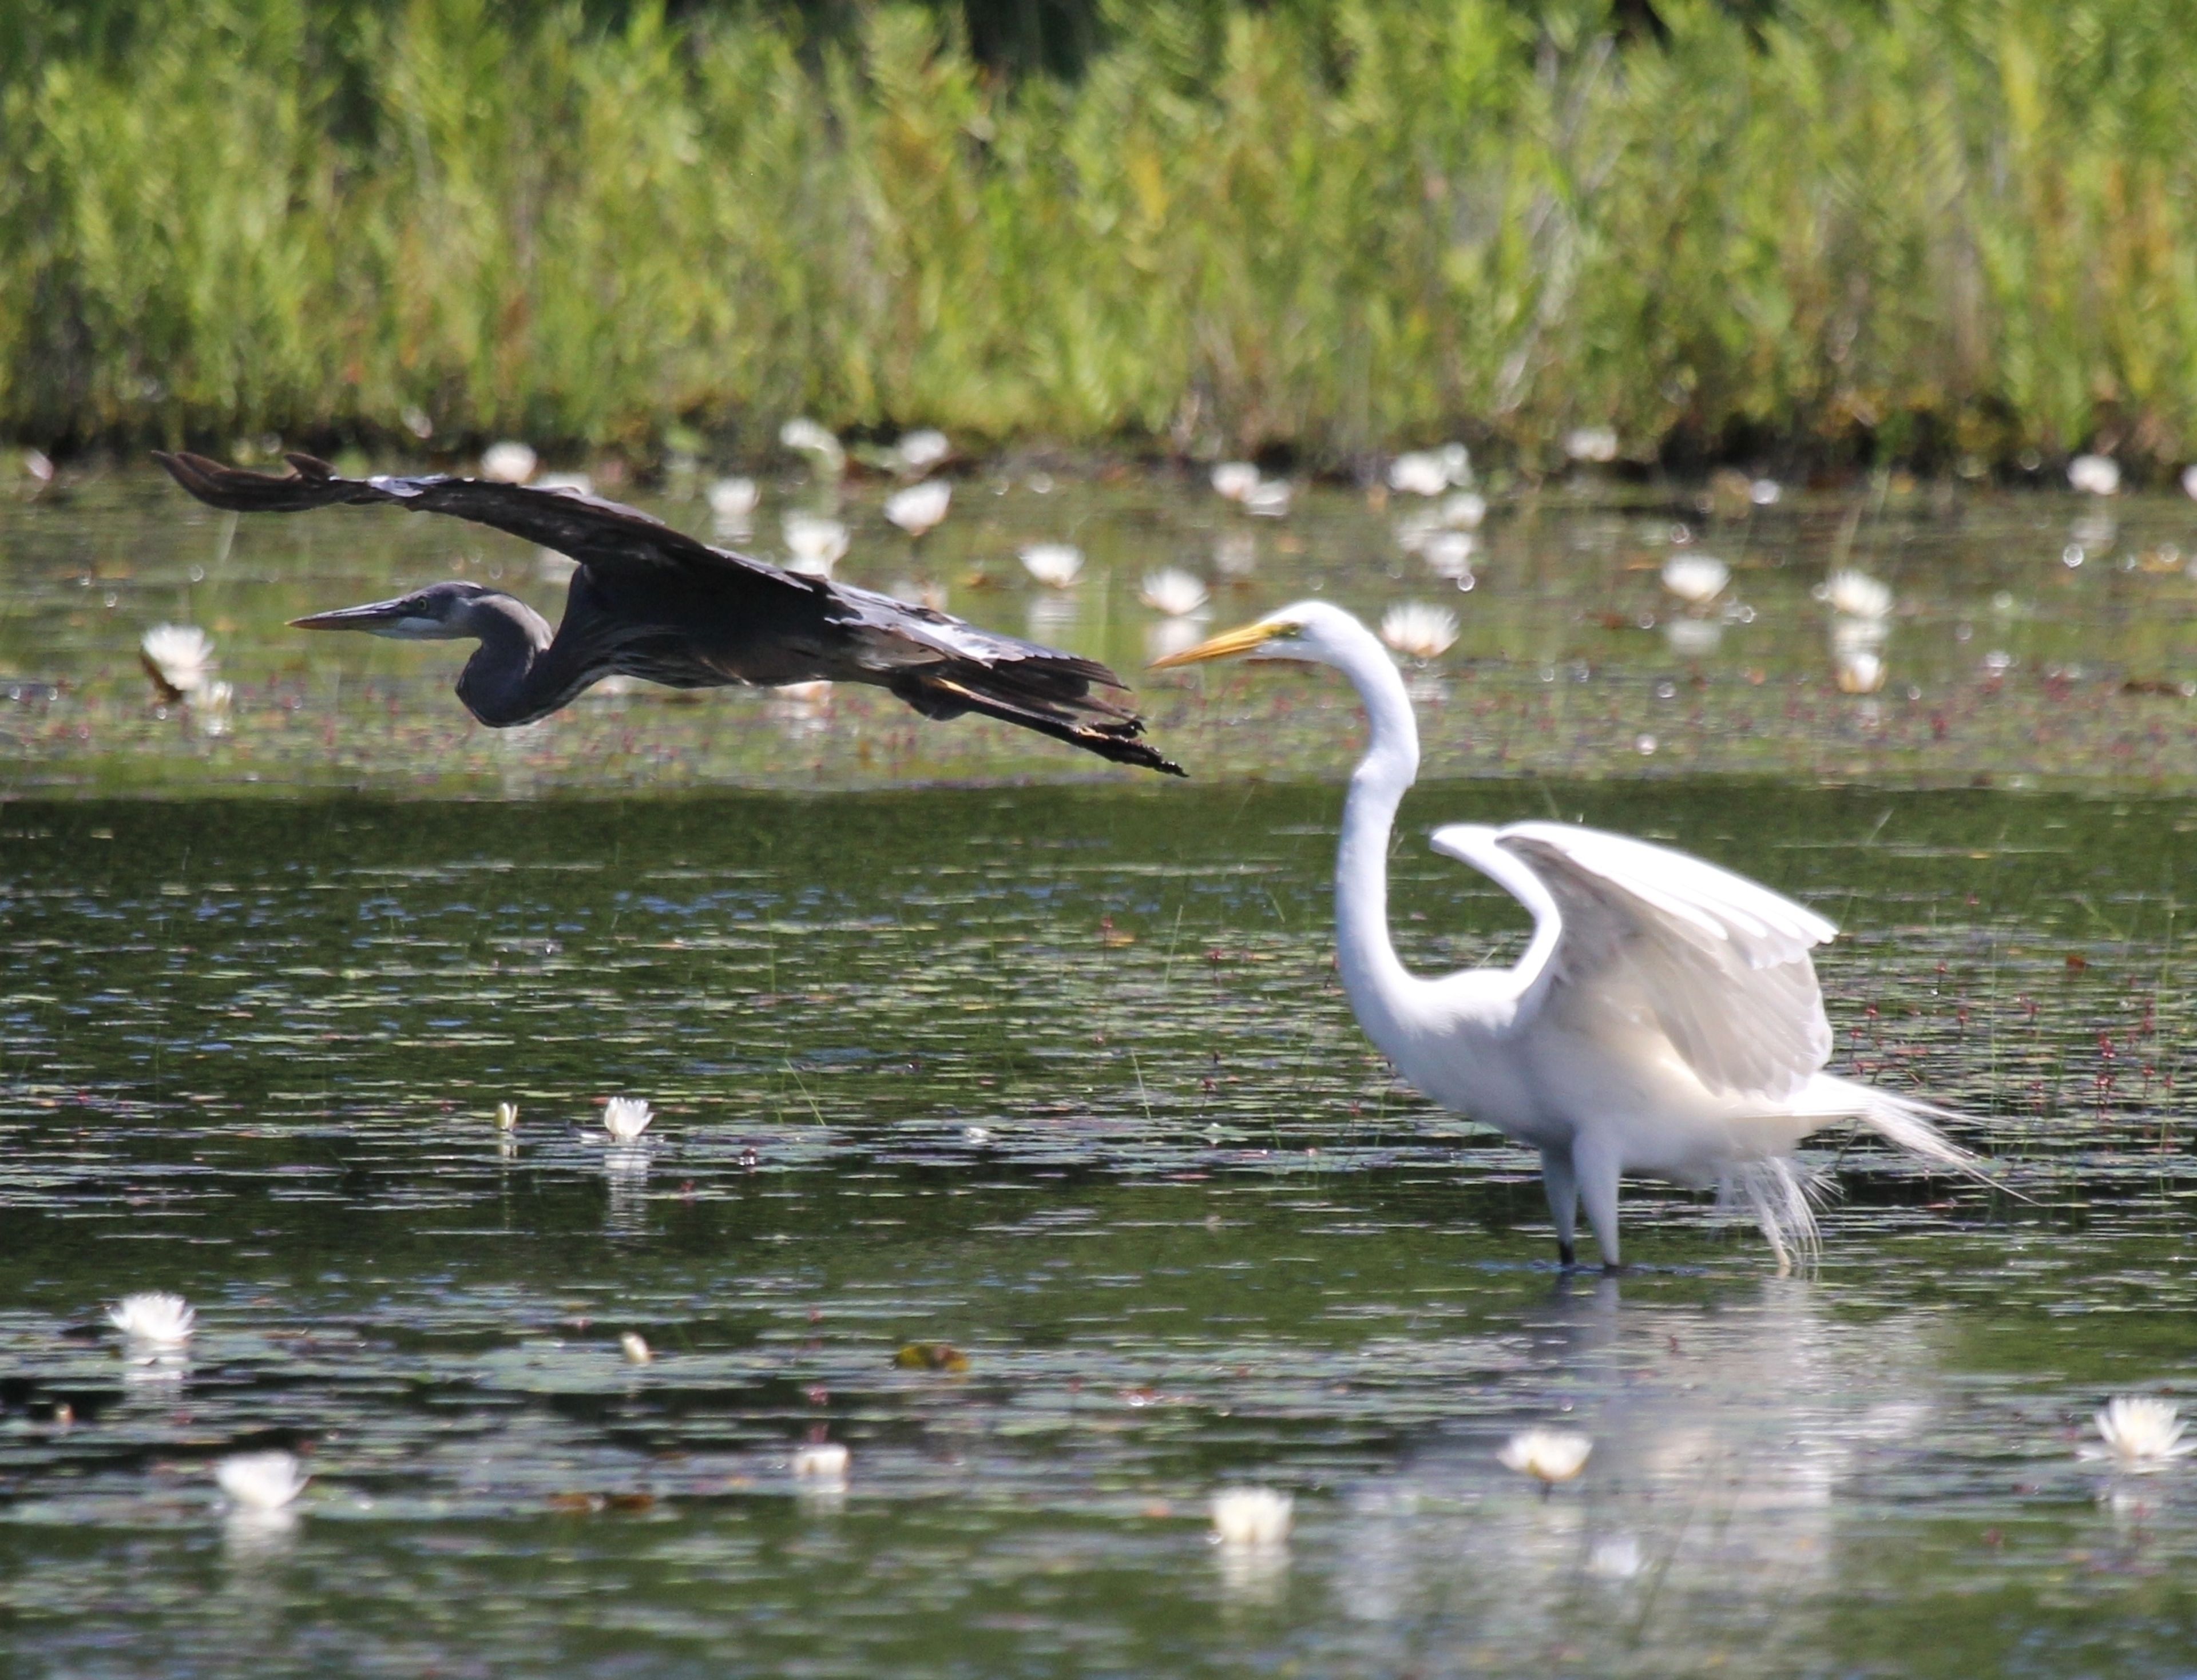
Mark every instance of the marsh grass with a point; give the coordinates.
(1928, 231)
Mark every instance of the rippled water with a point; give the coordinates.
(1060, 1079)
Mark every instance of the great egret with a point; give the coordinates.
(650, 602)
(1665, 1020)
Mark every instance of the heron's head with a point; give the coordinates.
(438, 612)
(1313, 632)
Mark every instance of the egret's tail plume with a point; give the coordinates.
(1912, 1125)
(1781, 1198)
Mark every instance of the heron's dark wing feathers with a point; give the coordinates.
(606, 535)
(656, 603)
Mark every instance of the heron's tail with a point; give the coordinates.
(1032, 694)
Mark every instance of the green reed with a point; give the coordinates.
(1918, 231)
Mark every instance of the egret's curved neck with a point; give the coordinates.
(1382, 990)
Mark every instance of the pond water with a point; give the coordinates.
(2032, 638)
(1059, 1079)
(1018, 1137)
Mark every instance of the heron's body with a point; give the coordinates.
(1664, 1021)
(650, 602)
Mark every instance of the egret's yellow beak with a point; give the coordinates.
(1240, 641)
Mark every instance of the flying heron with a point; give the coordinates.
(650, 602)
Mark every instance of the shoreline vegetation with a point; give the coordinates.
(1961, 237)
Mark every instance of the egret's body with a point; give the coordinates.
(1665, 1020)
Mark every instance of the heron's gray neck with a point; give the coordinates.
(503, 683)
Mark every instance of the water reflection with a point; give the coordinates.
(1732, 1443)
(254, 1539)
(1168, 636)
(625, 1178)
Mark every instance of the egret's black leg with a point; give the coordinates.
(1567, 1255)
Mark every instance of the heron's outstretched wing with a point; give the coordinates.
(1720, 962)
(675, 602)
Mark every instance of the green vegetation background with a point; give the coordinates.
(1924, 230)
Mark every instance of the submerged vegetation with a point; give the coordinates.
(1942, 232)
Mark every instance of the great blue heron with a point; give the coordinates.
(650, 602)
(1666, 1019)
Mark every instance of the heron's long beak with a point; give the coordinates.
(379, 617)
(1242, 639)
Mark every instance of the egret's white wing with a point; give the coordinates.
(1718, 962)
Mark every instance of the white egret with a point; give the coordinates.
(1665, 1020)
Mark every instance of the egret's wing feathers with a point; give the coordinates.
(1721, 964)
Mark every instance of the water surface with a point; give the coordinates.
(1062, 1079)
(2035, 638)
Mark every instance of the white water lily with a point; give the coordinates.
(1421, 473)
(1235, 480)
(179, 658)
(1695, 579)
(820, 1461)
(919, 507)
(2190, 481)
(510, 462)
(2097, 475)
(625, 1118)
(2140, 1432)
(1417, 631)
(507, 1117)
(1858, 595)
(154, 1318)
(260, 1481)
(817, 542)
(636, 1350)
(1549, 1455)
(1270, 498)
(1251, 1517)
(1053, 563)
(1174, 591)
(805, 437)
(1464, 511)
(922, 450)
(1596, 445)
(733, 502)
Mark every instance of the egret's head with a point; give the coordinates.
(1311, 631)
(438, 612)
